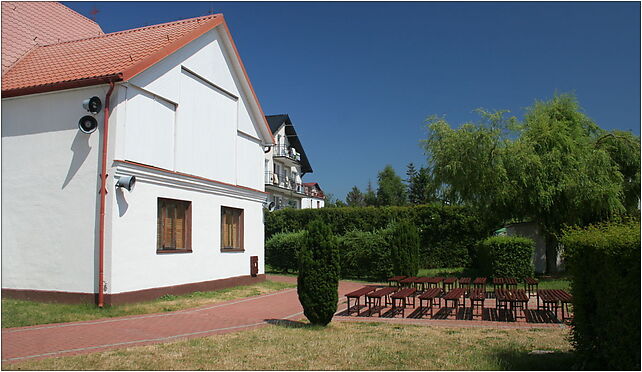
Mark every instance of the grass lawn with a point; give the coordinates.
(19, 313)
(340, 346)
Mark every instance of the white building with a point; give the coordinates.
(182, 118)
(285, 166)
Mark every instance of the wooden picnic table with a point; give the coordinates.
(512, 300)
(430, 295)
(477, 297)
(498, 283)
(422, 281)
(402, 296)
(454, 295)
(449, 283)
(395, 279)
(357, 296)
(374, 298)
(530, 285)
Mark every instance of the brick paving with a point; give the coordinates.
(51, 340)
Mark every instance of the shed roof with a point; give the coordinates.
(27, 24)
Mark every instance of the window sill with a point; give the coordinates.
(232, 250)
(164, 251)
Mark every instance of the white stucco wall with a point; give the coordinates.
(49, 192)
(135, 265)
(312, 203)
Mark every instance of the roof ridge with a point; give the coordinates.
(195, 19)
(75, 12)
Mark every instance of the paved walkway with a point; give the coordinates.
(98, 335)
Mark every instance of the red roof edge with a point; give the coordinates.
(62, 85)
(171, 48)
(238, 57)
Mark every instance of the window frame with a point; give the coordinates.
(187, 233)
(240, 230)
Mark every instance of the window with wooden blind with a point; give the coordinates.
(231, 229)
(174, 226)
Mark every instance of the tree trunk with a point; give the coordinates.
(551, 255)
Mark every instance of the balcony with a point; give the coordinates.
(287, 154)
(281, 181)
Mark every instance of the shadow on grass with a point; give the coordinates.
(285, 323)
(535, 360)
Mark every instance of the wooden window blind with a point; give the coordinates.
(174, 227)
(231, 229)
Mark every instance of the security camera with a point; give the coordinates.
(93, 105)
(126, 182)
(87, 124)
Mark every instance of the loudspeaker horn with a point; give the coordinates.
(126, 182)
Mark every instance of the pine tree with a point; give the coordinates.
(370, 198)
(355, 198)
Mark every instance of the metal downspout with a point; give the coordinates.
(103, 196)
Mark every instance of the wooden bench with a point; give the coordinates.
(421, 282)
(530, 285)
(449, 283)
(512, 300)
(395, 279)
(357, 296)
(402, 296)
(374, 299)
(477, 297)
(553, 299)
(454, 295)
(434, 281)
(408, 282)
(430, 295)
(465, 283)
(510, 283)
(498, 283)
(479, 283)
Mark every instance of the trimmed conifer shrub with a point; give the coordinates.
(318, 280)
(404, 248)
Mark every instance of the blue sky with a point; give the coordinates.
(359, 78)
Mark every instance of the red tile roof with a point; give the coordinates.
(119, 56)
(28, 24)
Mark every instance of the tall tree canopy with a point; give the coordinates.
(555, 167)
(391, 189)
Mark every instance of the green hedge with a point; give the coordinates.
(604, 263)
(448, 233)
(506, 257)
(365, 255)
(281, 250)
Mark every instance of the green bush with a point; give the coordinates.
(365, 255)
(448, 234)
(404, 248)
(604, 263)
(282, 249)
(506, 257)
(318, 280)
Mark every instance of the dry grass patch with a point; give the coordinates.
(20, 313)
(340, 346)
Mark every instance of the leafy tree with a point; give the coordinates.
(549, 168)
(318, 280)
(370, 198)
(355, 198)
(391, 189)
